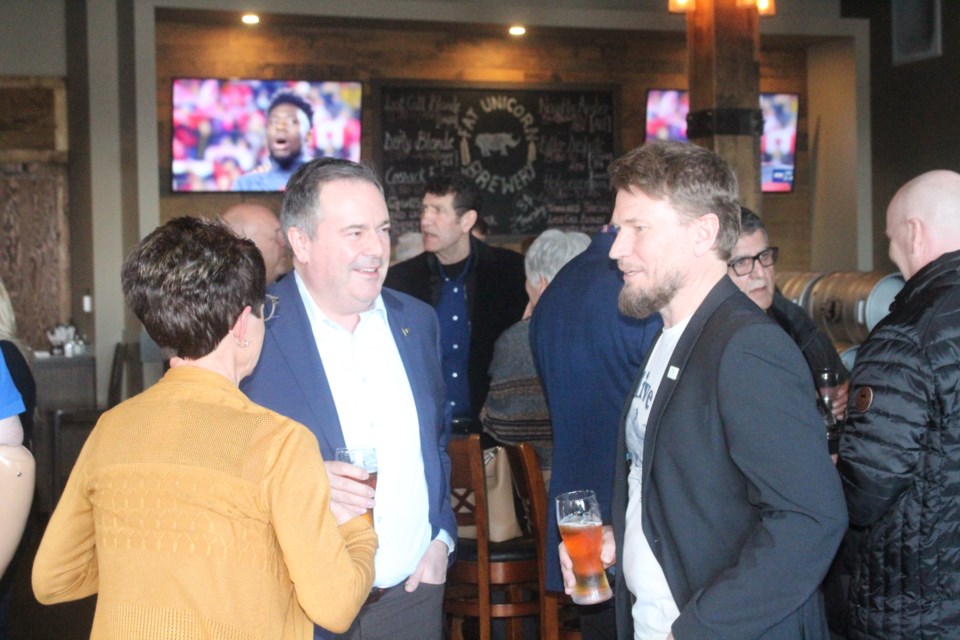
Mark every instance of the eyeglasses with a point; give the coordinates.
(269, 306)
(744, 266)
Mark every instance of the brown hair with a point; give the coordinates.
(694, 180)
(189, 280)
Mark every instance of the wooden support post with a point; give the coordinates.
(723, 45)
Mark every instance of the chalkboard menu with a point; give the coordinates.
(539, 156)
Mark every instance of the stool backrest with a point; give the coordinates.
(468, 490)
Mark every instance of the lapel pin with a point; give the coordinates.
(406, 331)
(673, 372)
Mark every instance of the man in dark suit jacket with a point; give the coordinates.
(477, 290)
(359, 366)
(730, 513)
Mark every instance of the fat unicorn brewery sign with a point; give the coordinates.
(539, 155)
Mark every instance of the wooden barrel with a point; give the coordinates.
(848, 355)
(848, 304)
(796, 285)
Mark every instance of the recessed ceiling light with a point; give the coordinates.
(517, 30)
(250, 18)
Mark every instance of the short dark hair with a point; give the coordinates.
(301, 200)
(466, 193)
(288, 97)
(189, 280)
(751, 223)
(694, 180)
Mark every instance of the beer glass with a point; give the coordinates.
(828, 383)
(578, 516)
(365, 459)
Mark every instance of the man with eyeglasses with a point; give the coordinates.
(289, 120)
(752, 269)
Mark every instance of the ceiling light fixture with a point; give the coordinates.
(764, 7)
(250, 18)
(517, 30)
(767, 7)
(681, 6)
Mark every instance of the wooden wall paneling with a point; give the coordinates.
(34, 259)
(787, 215)
(370, 50)
(33, 119)
(34, 238)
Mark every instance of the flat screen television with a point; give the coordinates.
(778, 145)
(667, 111)
(250, 135)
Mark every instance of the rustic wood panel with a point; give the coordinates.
(33, 123)
(787, 215)
(34, 241)
(26, 118)
(34, 260)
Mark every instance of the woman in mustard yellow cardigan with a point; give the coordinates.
(191, 511)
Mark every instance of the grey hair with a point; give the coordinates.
(550, 251)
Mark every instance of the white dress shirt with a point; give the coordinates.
(376, 408)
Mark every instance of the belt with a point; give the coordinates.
(378, 592)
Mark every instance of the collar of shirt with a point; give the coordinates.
(317, 317)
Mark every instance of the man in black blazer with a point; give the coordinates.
(729, 511)
(477, 290)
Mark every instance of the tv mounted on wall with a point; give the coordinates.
(667, 111)
(250, 135)
(667, 120)
(778, 145)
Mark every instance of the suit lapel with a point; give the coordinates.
(291, 331)
(408, 341)
(675, 371)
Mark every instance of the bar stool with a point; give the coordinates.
(513, 568)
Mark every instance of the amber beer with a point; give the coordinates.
(371, 482)
(578, 516)
(365, 458)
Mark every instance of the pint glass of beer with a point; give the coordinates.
(578, 516)
(365, 459)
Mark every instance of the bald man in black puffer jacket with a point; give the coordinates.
(900, 453)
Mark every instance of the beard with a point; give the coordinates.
(638, 303)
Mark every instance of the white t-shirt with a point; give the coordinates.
(654, 610)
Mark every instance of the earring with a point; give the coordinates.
(242, 345)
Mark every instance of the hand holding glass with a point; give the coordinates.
(365, 459)
(578, 516)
